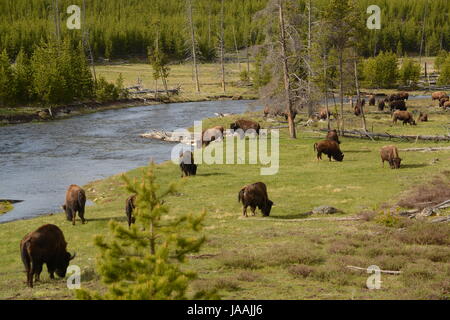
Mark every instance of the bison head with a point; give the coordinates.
(266, 210)
(395, 163)
(63, 263)
(339, 156)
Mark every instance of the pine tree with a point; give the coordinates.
(23, 79)
(6, 80)
(145, 262)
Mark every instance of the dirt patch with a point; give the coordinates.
(428, 194)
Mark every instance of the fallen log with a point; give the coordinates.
(367, 135)
(427, 149)
(168, 137)
(382, 271)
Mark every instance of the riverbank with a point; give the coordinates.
(291, 254)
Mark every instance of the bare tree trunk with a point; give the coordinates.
(310, 109)
(57, 22)
(287, 84)
(194, 53)
(237, 50)
(248, 55)
(86, 41)
(341, 89)
(359, 97)
(326, 90)
(222, 49)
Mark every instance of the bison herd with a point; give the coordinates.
(47, 245)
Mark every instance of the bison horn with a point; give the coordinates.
(73, 256)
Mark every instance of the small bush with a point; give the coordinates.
(300, 270)
(428, 194)
(239, 261)
(425, 233)
(248, 276)
(409, 72)
(388, 219)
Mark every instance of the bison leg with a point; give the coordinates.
(81, 214)
(319, 156)
(244, 211)
(253, 211)
(37, 272)
(74, 216)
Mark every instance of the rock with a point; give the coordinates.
(326, 210)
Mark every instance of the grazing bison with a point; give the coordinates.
(75, 202)
(372, 100)
(442, 101)
(130, 204)
(212, 134)
(405, 116)
(333, 136)
(268, 111)
(390, 154)
(446, 105)
(357, 110)
(423, 117)
(330, 148)
(438, 95)
(45, 245)
(381, 105)
(398, 105)
(245, 125)
(323, 114)
(187, 165)
(398, 96)
(255, 195)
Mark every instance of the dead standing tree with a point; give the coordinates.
(192, 43)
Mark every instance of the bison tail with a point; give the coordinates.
(81, 199)
(25, 256)
(241, 196)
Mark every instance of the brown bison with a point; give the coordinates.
(45, 245)
(442, 101)
(398, 96)
(358, 107)
(438, 95)
(212, 134)
(130, 204)
(330, 148)
(187, 165)
(423, 117)
(333, 136)
(405, 116)
(397, 105)
(245, 125)
(447, 105)
(381, 105)
(323, 114)
(390, 154)
(255, 195)
(75, 202)
(357, 110)
(372, 100)
(268, 111)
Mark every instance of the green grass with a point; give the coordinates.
(5, 207)
(278, 257)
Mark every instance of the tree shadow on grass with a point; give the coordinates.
(212, 174)
(119, 219)
(293, 216)
(358, 151)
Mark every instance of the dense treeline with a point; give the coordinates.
(121, 29)
(53, 74)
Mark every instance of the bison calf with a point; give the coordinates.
(423, 117)
(330, 148)
(253, 196)
(187, 165)
(390, 154)
(75, 202)
(405, 116)
(333, 136)
(45, 245)
(130, 204)
(212, 134)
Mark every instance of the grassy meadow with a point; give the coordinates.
(289, 255)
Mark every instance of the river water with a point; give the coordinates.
(38, 161)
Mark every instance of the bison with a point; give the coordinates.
(398, 105)
(390, 154)
(423, 117)
(323, 114)
(438, 95)
(333, 136)
(255, 195)
(400, 96)
(268, 111)
(330, 148)
(446, 105)
(212, 134)
(75, 202)
(187, 165)
(130, 204)
(245, 125)
(442, 101)
(45, 245)
(381, 105)
(405, 116)
(372, 100)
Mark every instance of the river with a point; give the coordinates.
(38, 161)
